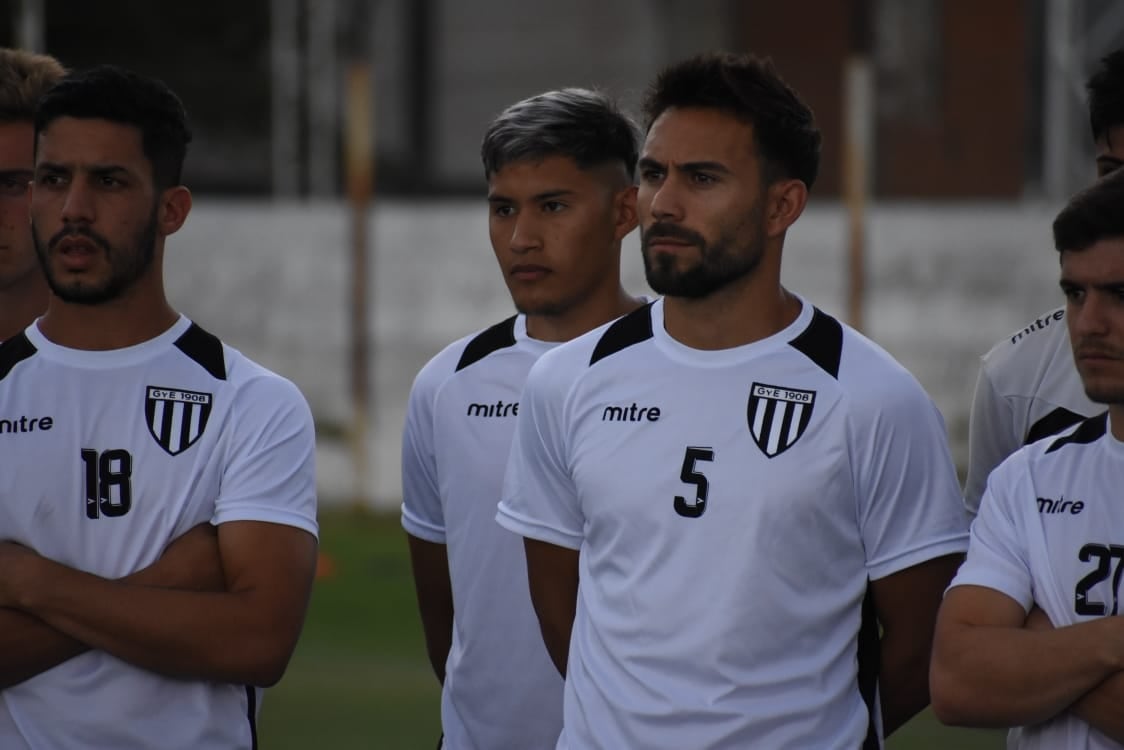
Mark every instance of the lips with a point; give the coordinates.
(528, 272)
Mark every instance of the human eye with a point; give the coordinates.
(1073, 293)
(49, 179)
(11, 186)
(503, 210)
(553, 207)
(703, 178)
(651, 174)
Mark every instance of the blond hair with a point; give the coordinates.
(24, 78)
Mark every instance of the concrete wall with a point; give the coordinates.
(945, 282)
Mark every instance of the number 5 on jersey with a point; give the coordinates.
(690, 474)
(109, 482)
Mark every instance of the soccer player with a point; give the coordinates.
(123, 425)
(561, 198)
(745, 488)
(1027, 387)
(24, 76)
(1050, 535)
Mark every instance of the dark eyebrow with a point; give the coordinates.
(108, 170)
(47, 166)
(547, 195)
(689, 166)
(704, 166)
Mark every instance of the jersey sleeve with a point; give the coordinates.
(540, 499)
(996, 551)
(910, 509)
(270, 471)
(991, 438)
(422, 513)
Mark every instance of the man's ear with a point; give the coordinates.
(785, 201)
(175, 205)
(624, 207)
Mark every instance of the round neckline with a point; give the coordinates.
(679, 351)
(91, 359)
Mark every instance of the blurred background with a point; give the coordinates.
(339, 232)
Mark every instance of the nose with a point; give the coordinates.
(1090, 318)
(665, 201)
(77, 205)
(525, 234)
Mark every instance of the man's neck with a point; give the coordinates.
(748, 310)
(117, 324)
(21, 304)
(583, 318)
(1116, 421)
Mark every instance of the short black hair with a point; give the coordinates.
(1106, 94)
(1094, 214)
(750, 89)
(108, 92)
(582, 124)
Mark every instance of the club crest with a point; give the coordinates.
(176, 418)
(778, 416)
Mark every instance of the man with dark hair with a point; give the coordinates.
(24, 77)
(1027, 387)
(1049, 537)
(561, 198)
(744, 511)
(129, 435)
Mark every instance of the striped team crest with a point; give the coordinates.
(778, 416)
(176, 418)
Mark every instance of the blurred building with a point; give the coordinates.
(971, 100)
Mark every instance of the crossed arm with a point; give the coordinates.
(234, 618)
(988, 670)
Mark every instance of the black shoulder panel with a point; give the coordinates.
(1051, 424)
(631, 329)
(499, 336)
(1090, 431)
(13, 351)
(822, 342)
(205, 348)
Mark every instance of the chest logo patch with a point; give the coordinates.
(176, 418)
(778, 416)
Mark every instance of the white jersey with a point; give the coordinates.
(730, 508)
(501, 689)
(1051, 532)
(1028, 388)
(105, 458)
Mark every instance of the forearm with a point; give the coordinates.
(28, 647)
(1009, 676)
(184, 634)
(556, 637)
(903, 679)
(1103, 707)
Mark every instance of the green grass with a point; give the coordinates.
(359, 679)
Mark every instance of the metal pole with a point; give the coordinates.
(359, 150)
(284, 16)
(1057, 133)
(31, 28)
(858, 139)
(323, 110)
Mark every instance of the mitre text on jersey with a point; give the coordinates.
(25, 424)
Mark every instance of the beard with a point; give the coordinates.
(126, 264)
(721, 262)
